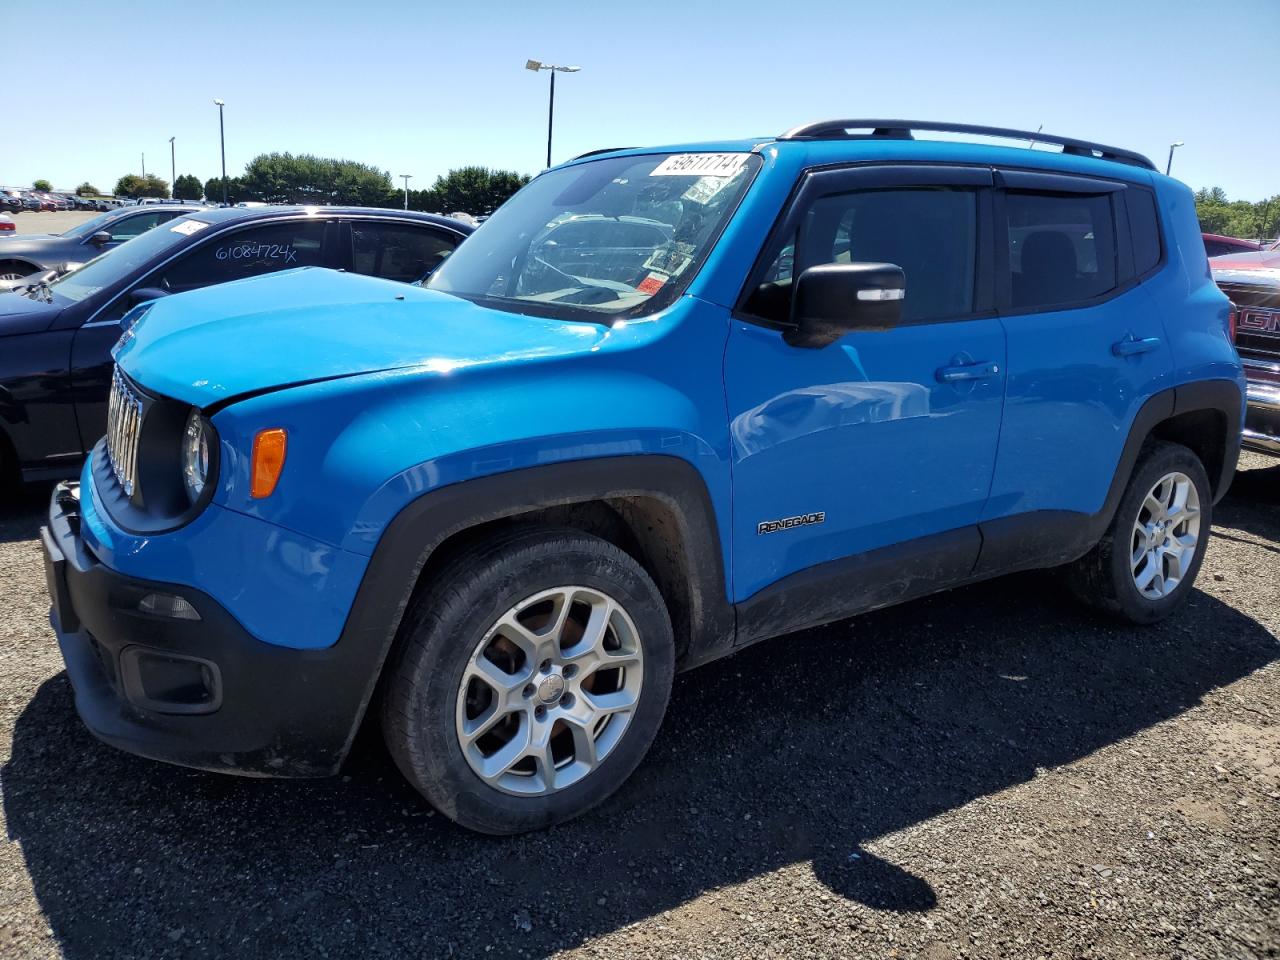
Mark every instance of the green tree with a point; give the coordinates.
(187, 187)
(236, 190)
(42, 185)
(87, 189)
(285, 178)
(132, 185)
(474, 190)
(1237, 218)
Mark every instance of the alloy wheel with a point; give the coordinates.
(549, 691)
(1165, 536)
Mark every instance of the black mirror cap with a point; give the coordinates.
(144, 294)
(101, 237)
(832, 299)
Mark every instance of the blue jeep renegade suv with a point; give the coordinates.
(663, 404)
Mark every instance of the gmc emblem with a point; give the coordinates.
(1258, 320)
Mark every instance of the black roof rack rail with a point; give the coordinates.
(902, 130)
(592, 153)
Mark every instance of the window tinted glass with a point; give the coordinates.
(398, 251)
(249, 252)
(931, 233)
(1144, 228)
(129, 227)
(1061, 248)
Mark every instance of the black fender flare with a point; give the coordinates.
(1219, 396)
(422, 525)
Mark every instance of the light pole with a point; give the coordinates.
(222, 139)
(173, 167)
(1169, 165)
(535, 66)
(406, 177)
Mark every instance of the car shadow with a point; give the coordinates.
(1252, 504)
(22, 510)
(801, 750)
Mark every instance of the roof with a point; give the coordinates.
(221, 215)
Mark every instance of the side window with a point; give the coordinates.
(1062, 248)
(397, 251)
(930, 232)
(1144, 229)
(131, 227)
(249, 252)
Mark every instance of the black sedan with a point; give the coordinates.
(56, 332)
(27, 254)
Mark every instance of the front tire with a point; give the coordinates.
(1144, 566)
(532, 676)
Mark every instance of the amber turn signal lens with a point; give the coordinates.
(268, 460)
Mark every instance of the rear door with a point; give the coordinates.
(1086, 344)
(402, 250)
(881, 438)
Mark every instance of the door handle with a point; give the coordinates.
(1131, 347)
(968, 371)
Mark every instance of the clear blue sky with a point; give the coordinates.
(418, 87)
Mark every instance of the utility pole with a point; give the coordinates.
(1169, 163)
(173, 167)
(144, 166)
(407, 177)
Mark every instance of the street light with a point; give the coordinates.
(406, 177)
(222, 139)
(1169, 165)
(535, 66)
(173, 167)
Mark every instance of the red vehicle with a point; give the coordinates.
(1216, 245)
(6, 224)
(1252, 281)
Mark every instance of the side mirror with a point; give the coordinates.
(101, 238)
(833, 299)
(143, 294)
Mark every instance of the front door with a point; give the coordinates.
(881, 439)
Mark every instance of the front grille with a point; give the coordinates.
(1257, 320)
(124, 423)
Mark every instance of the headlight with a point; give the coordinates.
(195, 455)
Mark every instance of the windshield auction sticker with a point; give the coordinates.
(700, 165)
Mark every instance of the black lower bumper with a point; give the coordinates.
(194, 689)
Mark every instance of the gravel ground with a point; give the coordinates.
(988, 773)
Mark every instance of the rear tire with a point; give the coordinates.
(532, 676)
(1146, 563)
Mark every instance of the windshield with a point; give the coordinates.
(90, 226)
(106, 268)
(614, 237)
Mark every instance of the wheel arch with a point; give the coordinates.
(656, 508)
(1204, 416)
(19, 261)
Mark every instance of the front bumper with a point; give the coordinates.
(198, 692)
(1262, 419)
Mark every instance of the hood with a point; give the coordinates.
(1259, 269)
(19, 314)
(301, 326)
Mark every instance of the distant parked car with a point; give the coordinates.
(6, 224)
(1216, 245)
(22, 256)
(11, 203)
(51, 417)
